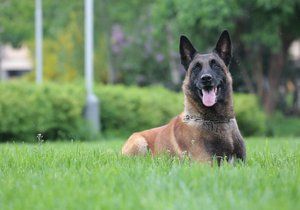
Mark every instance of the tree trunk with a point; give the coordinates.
(259, 76)
(247, 79)
(175, 75)
(0, 62)
(107, 33)
(111, 70)
(276, 64)
(297, 97)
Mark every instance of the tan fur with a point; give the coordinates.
(177, 138)
(136, 145)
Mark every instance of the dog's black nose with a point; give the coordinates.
(206, 78)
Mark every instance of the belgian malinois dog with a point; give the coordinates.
(207, 127)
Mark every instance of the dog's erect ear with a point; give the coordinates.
(187, 51)
(223, 47)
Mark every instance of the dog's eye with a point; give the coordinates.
(214, 64)
(198, 66)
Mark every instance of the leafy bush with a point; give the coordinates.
(128, 109)
(56, 110)
(250, 117)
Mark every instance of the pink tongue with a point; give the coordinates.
(209, 97)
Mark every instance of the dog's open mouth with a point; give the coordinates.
(209, 95)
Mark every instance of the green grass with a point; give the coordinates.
(93, 175)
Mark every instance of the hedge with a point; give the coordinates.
(55, 110)
(52, 110)
(250, 117)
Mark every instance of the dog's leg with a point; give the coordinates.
(135, 145)
(231, 160)
(239, 147)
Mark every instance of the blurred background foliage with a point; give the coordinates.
(136, 43)
(55, 110)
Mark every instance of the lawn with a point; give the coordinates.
(93, 175)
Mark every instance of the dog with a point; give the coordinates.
(207, 129)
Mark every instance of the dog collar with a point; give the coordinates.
(197, 118)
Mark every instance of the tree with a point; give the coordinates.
(262, 31)
(15, 19)
(136, 42)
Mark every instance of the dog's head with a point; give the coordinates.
(207, 77)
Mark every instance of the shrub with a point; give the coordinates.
(128, 109)
(56, 110)
(250, 117)
(27, 109)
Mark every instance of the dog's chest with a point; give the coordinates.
(217, 139)
(218, 147)
(206, 148)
